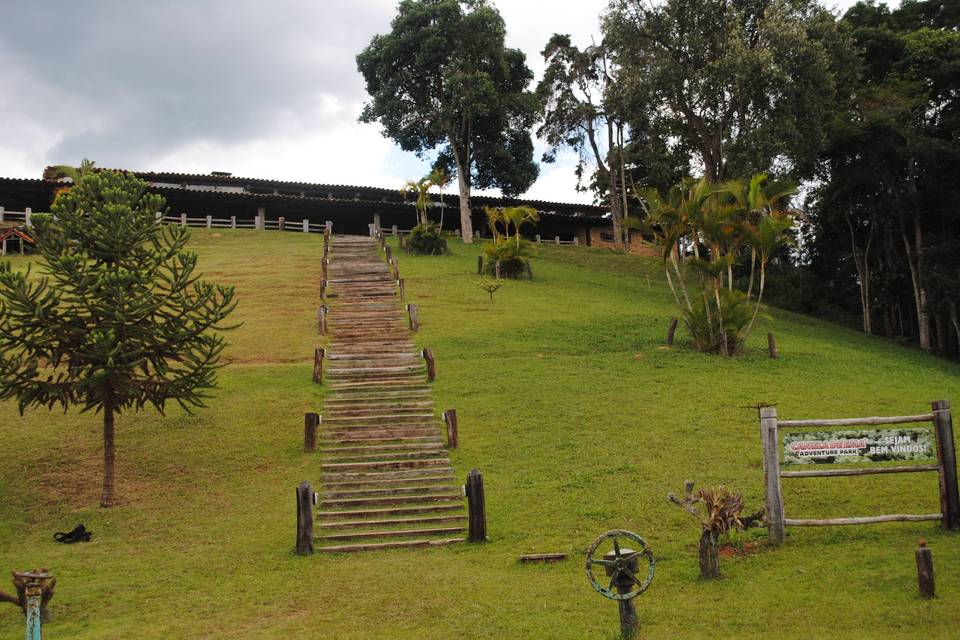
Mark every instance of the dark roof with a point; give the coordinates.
(560, 209)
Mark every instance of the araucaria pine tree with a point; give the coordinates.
(118, 320)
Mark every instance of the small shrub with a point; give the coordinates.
(426, 240)
(512, 254)
(491, 286)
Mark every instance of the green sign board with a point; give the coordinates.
(865, 445)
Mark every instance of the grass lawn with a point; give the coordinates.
(580, 421)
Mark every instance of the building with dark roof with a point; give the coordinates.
(350, 208)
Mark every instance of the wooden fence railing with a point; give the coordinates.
(931, 441)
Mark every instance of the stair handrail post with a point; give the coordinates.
(476, 507)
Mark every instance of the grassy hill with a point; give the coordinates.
(580, 421)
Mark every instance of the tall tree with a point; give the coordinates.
(582, 111)
(119, 320)
(745, 84)
(443, 78)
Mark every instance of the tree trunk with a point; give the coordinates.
(709, 556)
(463, 181)
(914, 258)
(109, 456)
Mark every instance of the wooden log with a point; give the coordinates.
(947, 460)
(844, 422)
(771, 475)
(477, 508)
(311, 424)
(832, 522)
(414, 314)
(453, 437)
(323, 288)
(671, 331)
(542, 557)
(401, 289)
(772, 350)
(867, 471)
(304, 519)
(322, 319)
(925, 577)
(318, 365)
(431, 364)
(480, 265)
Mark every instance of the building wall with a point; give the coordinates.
(603, 237)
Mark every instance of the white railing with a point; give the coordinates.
(209, 222)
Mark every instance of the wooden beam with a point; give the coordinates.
(844, 422)
(771, 475)
(830, 522)
(826, 473)
(304, 519)
(477, 506)
(947, 460)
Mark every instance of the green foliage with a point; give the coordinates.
(426, 240)
(718, 225)
(513, 255)
(442, 77)
(491, 287)
(420, 189)
(738, 83)
(118, 320)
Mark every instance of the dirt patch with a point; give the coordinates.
(730, 550)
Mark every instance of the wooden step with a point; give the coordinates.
(377, 475)
(384, 491)
(349, 548)
(333, 467)
(393, 511)
(394, 533)
(389, 522)
(388, 500)
(436, 479)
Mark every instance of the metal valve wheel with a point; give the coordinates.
(622, 565)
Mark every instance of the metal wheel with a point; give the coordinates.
(618, 567)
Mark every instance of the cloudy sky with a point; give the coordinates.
(259, 89)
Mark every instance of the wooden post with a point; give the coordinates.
(233, 222)
(401, 288)
(306, 226)
(324, 264)
(947, 461)
(183, 219)
(376, 222)
(27, 221)
(556, 240)
(414, 314)
(772, 346)
(480, 265)
(476, 504)
(925, 578)
(431, 364)
(671, 331)
(311, 423)
(209, 222)
(322, 319)
(395, 269)
(393, 231)
(328, 227)
(1, 213)
(304, 519)
(261, 219)
(771, 475)
(450, 418)
(323, 288)
(388, 252)
(281, 223)
(318, 365)
(538, 238)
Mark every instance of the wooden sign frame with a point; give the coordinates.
(946, 467)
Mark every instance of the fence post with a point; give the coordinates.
(26, 216)
(304, 519)
(453, 438)
(328, 227)
(1, 213)
(183, 219)
(401, 289)
(318, 365)
(159, 217)
(395, 265)
(324, 265)
(261, 219)
(322, 319)
(771, 475)
(233, 222)
(209, 222)
(414, 314)
(556, 240)
(323, 289)
(947, 460)
(431, 364)
(281, 223)
(476, 505)
(393, 231)
(311, 423)
(925, 578)
(306, 226)
(772, 349)
(671, 331)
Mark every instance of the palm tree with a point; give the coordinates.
(518, 216)
(420, 189)
(440, 178)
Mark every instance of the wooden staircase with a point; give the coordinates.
(387, 480)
